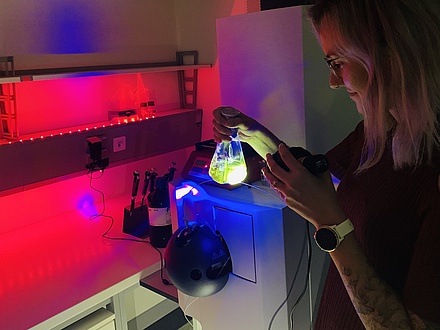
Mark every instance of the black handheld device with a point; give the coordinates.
(314, 163)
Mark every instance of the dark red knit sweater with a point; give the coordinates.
(396, 215)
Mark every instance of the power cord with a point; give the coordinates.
(309, 263)
(112, 221)
(162, 266)
(309, 260)
(306, 239)
(188, 304)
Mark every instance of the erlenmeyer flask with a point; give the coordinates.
(228, 164)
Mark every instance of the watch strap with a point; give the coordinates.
(344, 228)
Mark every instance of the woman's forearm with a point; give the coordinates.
(376, 303)
(262, 141)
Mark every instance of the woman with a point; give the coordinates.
(384, 273)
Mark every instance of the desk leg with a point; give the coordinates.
(117, 306)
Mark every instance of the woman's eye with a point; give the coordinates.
(336, 65)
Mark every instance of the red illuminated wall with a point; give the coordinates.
(51, 104)
(144, 31)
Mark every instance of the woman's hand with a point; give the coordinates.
(246, 125)
(251, 131)
(311, 196)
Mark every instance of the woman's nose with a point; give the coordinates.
(335, 82)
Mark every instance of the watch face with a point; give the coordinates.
(326, 239)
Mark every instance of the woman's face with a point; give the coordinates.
(344, 72)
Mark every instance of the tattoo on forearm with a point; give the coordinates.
(418, 323)
(375, 302)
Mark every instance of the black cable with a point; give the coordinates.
(309, 263)
(293, 281)
(104, 235)
(162, 266)
(306, 239)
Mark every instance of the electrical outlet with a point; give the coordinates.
(119, 144)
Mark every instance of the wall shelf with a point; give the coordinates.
(101, 70)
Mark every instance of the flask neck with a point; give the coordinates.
(234, 133)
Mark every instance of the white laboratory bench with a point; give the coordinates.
(62, 269)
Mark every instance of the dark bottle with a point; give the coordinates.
(159, 213)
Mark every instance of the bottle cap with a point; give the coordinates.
(230, 112)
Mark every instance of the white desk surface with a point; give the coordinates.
(63, 265)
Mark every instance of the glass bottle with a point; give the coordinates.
(159, 212)
(228, 164)
(143, 110)
(151, 109)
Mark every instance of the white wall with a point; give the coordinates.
(196, 29)
(52, 33)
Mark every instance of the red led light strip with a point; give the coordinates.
(28, 137)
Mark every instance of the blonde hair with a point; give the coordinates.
(398, 44)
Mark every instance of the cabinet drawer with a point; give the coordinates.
(101, 319)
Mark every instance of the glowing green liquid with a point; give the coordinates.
(226, 172)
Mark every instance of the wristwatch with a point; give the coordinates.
(328, 238)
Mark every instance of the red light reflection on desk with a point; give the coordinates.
(67, 246)
(41, 268)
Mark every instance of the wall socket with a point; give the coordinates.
(119, 144)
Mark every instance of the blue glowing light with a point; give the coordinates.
(185, 190)
(86, 206)
(73, 29)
